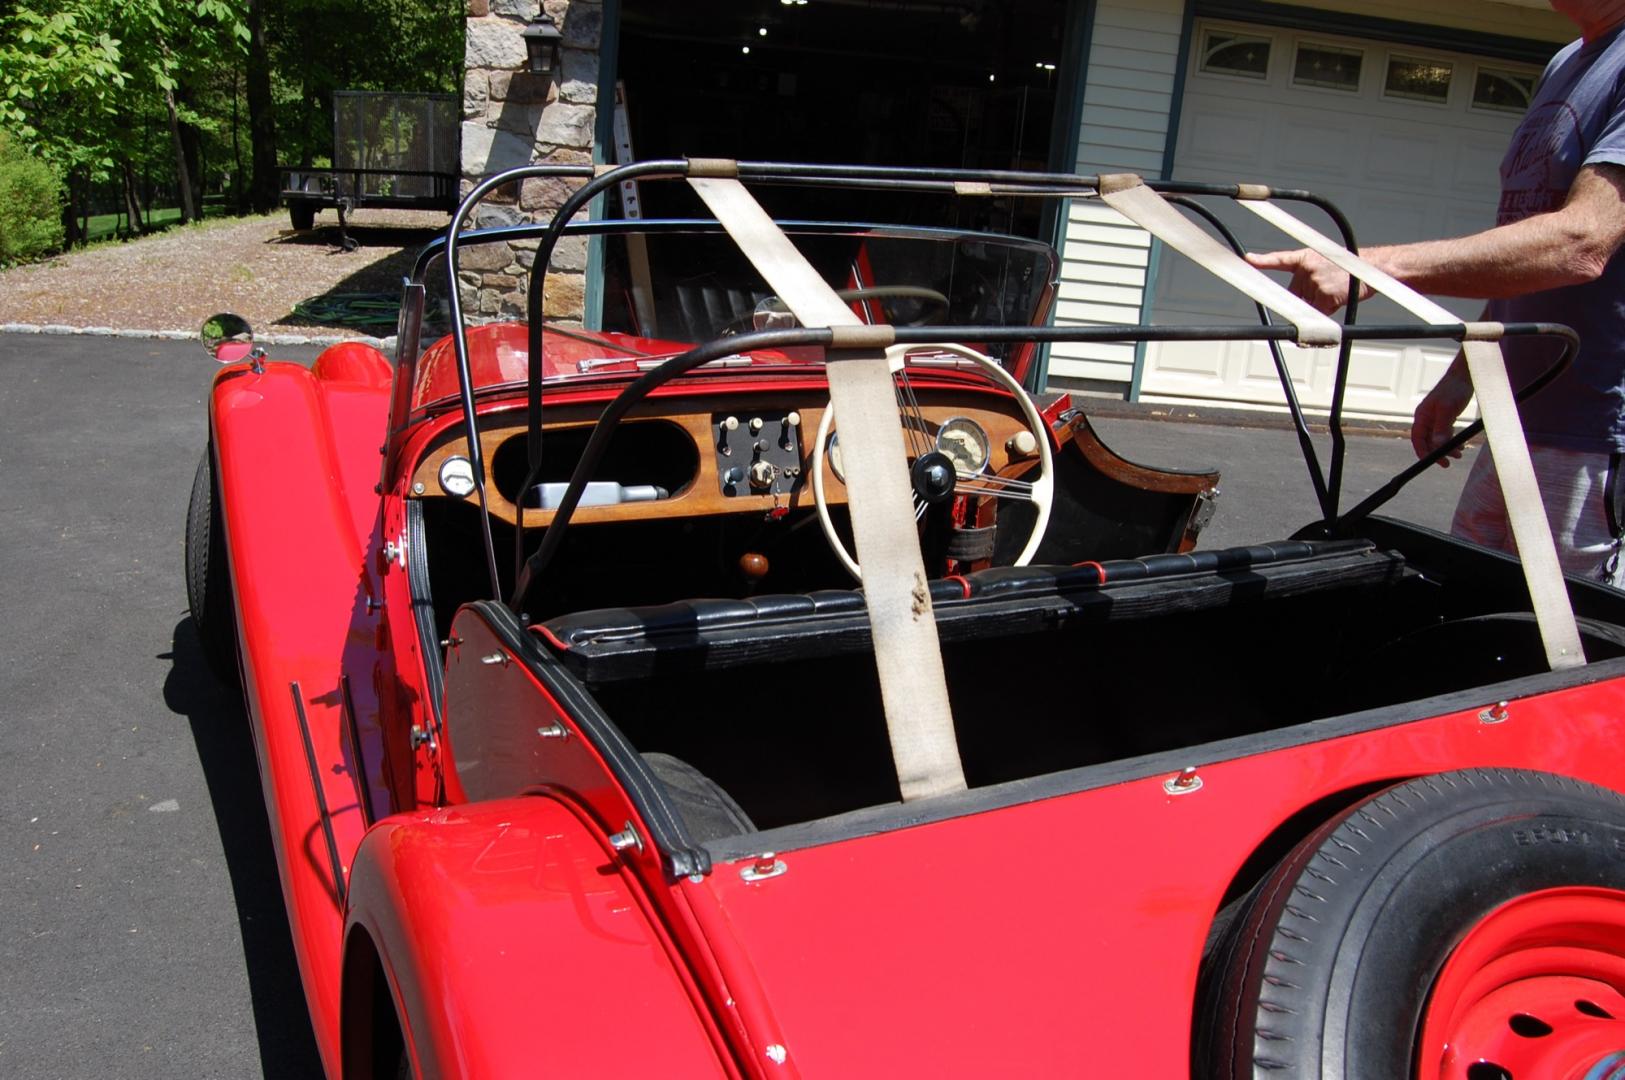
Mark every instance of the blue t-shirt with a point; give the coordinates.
(1577, 118)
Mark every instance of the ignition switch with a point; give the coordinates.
(761, 474)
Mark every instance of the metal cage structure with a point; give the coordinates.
(390, 149)
(393, 145)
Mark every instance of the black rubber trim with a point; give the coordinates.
(872, 820)
(339, 887)
(363, 786)
(680, 855)
(417, 578)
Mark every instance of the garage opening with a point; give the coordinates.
(966, 84)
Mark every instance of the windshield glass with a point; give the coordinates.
(659, 288)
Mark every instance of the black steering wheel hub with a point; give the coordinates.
(933, 477)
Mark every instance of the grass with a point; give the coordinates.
(104, 226)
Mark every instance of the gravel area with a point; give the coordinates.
(257, 267)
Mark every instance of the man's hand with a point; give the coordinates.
(1316, 279)
(1435, 418)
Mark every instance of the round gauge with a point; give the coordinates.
(457, 477)
(833, 456)
(965, 443)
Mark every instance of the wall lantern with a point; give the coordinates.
(542, 38)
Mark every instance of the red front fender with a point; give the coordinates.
(514, 946)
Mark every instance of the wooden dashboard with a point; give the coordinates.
(690, 426)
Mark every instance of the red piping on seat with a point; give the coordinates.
(1100, 571)
(964, 583)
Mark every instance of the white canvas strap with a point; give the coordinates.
(1128, 195)
(913, 686)
(1526, 513)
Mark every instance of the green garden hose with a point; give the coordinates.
(349, 309)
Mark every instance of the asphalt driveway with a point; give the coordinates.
(144, 932)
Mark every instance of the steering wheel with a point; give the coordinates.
(1039, 492)
(932, 303)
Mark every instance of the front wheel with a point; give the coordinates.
(208, 585)
(1463, 926)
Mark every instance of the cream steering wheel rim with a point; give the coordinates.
(1041, 493)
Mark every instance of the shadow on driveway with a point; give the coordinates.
(225, 748)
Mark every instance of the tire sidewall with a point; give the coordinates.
(1342, 942)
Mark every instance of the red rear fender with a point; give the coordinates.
(514, 946)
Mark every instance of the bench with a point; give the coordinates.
(614, 644)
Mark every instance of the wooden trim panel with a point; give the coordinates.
(703, 495)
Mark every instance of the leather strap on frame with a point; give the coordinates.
(721, 168)
(1128, 195)
(913, 686)
(1503, 430)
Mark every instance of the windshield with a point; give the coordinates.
(659, 288)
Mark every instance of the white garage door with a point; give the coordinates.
(1406, 141)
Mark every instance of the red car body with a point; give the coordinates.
(1048, 926)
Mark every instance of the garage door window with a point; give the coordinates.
(1416, 79)
(1329, 67)
(1499, 90)
(1225, 52)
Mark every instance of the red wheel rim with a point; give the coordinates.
(1535, 991)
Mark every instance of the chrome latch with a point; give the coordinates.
(764, 866)
(395, 552)
(626, 839)
(1185, 782)
(1494, 714)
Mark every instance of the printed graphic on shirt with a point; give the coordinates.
(1535, 176)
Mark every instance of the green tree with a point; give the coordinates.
(30, 205)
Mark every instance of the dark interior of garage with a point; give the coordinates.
(966, 84)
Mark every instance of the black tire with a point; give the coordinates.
(303, 215)
(1326, 968)
(208, 586)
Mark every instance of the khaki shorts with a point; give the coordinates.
(1573, 486)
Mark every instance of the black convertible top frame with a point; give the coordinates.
(970, 183)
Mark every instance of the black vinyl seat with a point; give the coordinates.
(610, 644)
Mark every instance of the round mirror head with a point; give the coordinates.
(227, 337)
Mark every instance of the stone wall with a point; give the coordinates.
(511, 118)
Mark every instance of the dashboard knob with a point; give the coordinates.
(1022, 444)
(730, 424)
(733, 476)
(755, 424)
(793, 420)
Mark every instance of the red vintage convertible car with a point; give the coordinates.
(622, 710)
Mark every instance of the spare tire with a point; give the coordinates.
(1467, 924)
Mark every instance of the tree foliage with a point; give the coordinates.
(129, 100)
(30, 205)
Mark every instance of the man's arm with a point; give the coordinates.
(1567, 246)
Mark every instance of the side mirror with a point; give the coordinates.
(227, 337)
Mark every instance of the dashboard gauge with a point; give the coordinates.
(457, 477)
(965, 443)
(833, 456)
